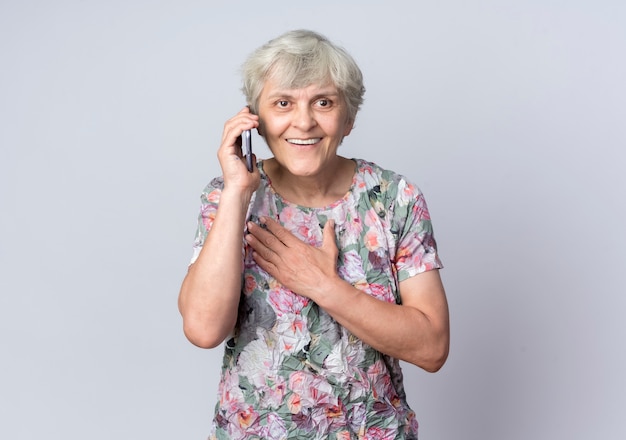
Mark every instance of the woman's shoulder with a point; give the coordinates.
(212, 190)
(217, 183)
(374, 176)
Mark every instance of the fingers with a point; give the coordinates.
(283, 236)
(329, 231)
(267, 249)
(269, 238)
(271, 233)
(244, 120)
(230, 155)
(264, 242)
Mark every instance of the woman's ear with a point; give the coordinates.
(348, 128)
(260, 130)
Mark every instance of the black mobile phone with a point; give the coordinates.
(247, 148)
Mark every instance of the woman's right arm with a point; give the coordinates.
(209, 295)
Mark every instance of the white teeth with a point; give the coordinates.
(304, 141)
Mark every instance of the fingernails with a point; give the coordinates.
(261, 224)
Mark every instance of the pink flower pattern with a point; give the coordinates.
(290, 370)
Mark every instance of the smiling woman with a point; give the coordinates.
(303, 129)
(320, 272)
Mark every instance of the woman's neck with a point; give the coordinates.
(314, 191)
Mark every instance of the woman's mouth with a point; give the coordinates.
(310, 141)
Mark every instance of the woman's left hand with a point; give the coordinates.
(300, 267)
(417, 331)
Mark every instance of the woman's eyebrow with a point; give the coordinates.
(287, 94)
(324, 94)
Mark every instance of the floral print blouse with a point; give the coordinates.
(290, 371)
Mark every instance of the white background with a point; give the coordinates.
(509, 115)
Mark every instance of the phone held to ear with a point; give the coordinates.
(246, 138)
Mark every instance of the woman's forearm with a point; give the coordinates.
(416, 331)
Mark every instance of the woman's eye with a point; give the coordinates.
(282, 104)
(324, 103)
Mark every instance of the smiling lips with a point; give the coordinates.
(304, 141)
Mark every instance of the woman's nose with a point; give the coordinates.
(303, 118)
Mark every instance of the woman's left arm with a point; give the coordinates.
(417, 331)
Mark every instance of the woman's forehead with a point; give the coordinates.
(271, 89)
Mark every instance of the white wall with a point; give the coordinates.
(509, 115)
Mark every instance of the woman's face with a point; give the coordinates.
(303, 127)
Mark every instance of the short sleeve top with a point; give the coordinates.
(289, 369)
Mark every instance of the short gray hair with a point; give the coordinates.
(298, 59)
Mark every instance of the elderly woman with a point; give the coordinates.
(319, 272)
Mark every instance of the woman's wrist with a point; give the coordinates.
(233, 196)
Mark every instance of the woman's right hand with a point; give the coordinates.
(234, 169)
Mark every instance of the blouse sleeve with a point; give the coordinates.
(416, 249)
(209, 201)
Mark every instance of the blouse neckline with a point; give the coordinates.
(328, 207)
